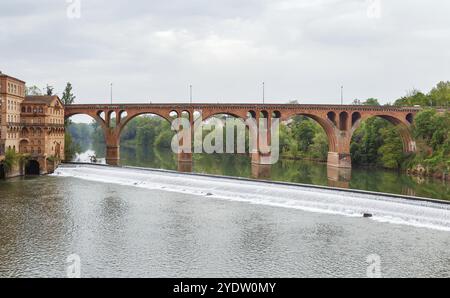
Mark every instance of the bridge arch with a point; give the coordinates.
(131, 116)
(207, 115)
(343, 120)
(325, 123)
(410, 118)
(112, 119)
(98, 125)
(402, 125)
(97, 115)
(356, 116)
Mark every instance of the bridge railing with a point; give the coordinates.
(118, 106)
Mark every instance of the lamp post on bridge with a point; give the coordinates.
(111, 93)
(342, 95)
(190, 94)
(264, 92)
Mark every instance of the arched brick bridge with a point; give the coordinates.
(338, 121)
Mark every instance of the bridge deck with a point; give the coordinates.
(242, 106)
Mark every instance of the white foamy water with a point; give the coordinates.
(383, 208)
(87, 157)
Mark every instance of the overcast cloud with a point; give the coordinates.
(301, 49)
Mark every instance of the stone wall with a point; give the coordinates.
(16, 171)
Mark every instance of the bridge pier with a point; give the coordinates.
(339, 160)
(339, 155)
(260, 158)
(262, 154)
(184, 157)
(113, 154)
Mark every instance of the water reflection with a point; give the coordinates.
(185, 167)
(338, 177)
(261, 171)
(298, 171)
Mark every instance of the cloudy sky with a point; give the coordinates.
(302, 49)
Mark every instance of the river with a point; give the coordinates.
(129, 222)
(125, 222)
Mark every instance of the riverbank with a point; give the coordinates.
(422, 171)
(27, 166)
(418, 171)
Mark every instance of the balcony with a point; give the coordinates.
(44, 125)
(14, 124)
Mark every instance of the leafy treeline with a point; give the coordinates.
(302, 137)
(431, 131)
(147, 131)
(439, 96)
(376, 143)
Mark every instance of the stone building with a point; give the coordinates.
(31, 126)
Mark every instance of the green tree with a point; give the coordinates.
(366, 141)
(164, 139)
(414, 97)
(391, 152)
(70, 147)
(33, 91)
(68, 97)
(425, 124)
(371, 102)
(440, 95)
(11, 159)
(73, 136)
(319, 148)
(145, 135)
